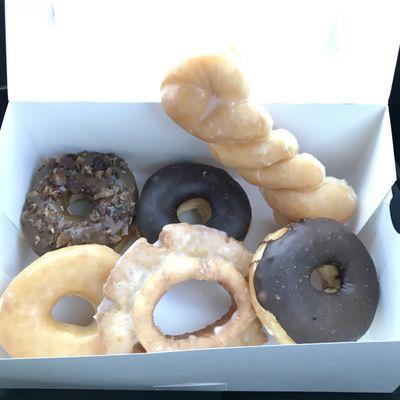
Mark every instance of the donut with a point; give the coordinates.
(208, 96)
(219, 199)
(27, 328)
(147, 271)
(103, 180)
(284, 298)
(303, 204)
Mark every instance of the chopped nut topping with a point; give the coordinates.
(62, 240)
(103, 177)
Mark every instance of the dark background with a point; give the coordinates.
(394, 108)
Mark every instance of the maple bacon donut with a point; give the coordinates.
(27, 328)
(147, 271)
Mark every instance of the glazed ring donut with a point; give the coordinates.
(187, 185)
(286, 302)
(27, 328)
(209, 97)
(146, 272)
(102, 179)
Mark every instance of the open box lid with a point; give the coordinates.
(103, 50)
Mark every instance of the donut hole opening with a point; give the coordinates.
(194, 211)
(80, 205)
(190, 306)
(73, 310)
(326, 279)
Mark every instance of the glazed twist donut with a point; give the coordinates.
(208, 96)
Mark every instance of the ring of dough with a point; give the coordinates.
(27, 327)
(147, 271)
(177, 269)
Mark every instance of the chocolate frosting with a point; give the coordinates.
(177, 183)
(103, 178)
(283, 286)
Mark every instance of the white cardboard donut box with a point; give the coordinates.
(85, 75)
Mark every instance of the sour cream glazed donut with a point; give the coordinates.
(287, 303)
(27, 328)
(146, 272)
(220, 200)
(104, 180)
(208, 96)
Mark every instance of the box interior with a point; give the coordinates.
(328, 55)
(353, 141)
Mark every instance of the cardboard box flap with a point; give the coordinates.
(308, 51)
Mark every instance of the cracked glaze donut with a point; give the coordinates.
(220, 200)
(104, 180)
(147, 271)
(27, 328)
(286, 302)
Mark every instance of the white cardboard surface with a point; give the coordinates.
(354, 141)
(383, 243)
(360, 367)
(119, 50)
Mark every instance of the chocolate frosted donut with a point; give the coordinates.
(287, 303)
(104, 181)
(220, 200)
